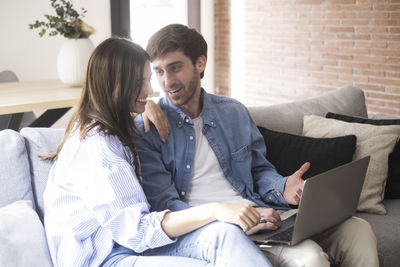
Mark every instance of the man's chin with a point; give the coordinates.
(175, 101)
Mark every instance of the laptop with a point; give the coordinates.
(328, 199)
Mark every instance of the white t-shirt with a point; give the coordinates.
(208, 182)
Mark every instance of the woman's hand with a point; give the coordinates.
(241, 214)
(272, 220)
(154, 114)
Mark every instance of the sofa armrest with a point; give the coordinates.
(15, 178)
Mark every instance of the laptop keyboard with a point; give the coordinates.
(285, 235)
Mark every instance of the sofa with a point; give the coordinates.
(23, 177)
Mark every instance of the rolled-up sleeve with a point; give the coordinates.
(113, 193)
(269, 183)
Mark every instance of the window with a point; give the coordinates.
(148, 16)
(139, 19)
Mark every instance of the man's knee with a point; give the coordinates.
(359, 230)
(306, 254)
(312, 254)
(363, 245)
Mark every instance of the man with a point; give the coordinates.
(215, 153)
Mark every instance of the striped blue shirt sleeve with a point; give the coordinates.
(93, 199)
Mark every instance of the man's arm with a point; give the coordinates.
(269, 184)
(157, 178)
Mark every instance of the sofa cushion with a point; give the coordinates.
(376, 141)
(392, 189)
(288, 117)
(386, 229)
(23, 240)
(15, 178)
(40, 141)
(287, 152)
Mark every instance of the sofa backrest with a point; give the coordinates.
(288, 117)
(15, 178)
(40, 141)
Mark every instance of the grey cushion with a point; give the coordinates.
(387, 229)
(288, 117)
(40, 141)
(23, 240)
(15, 178)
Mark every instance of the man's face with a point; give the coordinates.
(179, 78)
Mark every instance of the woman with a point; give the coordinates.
(95, 210)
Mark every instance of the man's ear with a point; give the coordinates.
(201, 63)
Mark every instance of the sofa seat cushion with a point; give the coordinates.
(15, 178)
(23, 240)
(387, 229)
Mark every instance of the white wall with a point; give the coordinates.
(33, 57)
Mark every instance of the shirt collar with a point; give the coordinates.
(208, 111)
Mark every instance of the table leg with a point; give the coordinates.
(15, 121)
(49, 117)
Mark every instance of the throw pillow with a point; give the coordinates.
(392, 189)
(287, 152)
(376, 141)
(23, 240)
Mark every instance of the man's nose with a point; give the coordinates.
(169, 80)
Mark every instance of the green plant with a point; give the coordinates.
(68, 22)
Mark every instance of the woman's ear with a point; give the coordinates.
(201, 63)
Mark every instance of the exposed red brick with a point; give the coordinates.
(296, 49)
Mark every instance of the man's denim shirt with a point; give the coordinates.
(237, 144)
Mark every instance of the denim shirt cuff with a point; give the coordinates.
(275, 195)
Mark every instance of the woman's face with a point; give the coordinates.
(140, 102)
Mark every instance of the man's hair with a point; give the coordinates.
(177, 37)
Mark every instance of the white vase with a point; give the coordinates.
(72, 61)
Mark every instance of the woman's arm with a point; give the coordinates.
(184, 221)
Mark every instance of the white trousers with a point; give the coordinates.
(349, 244)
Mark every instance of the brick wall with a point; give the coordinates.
(296, 49)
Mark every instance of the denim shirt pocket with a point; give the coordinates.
(241, 154)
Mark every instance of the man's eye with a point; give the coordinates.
(158, 72)
(175, 68)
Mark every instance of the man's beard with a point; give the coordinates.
(192, 87)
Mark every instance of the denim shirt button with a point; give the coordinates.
(188, 166)
(191, 137)
(182, 193)
(187, 120)
(180, 122)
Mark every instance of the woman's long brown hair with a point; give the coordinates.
(112, 86)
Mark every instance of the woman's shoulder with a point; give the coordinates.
(97, 144)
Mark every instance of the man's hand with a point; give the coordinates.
(272, 221)
(154, 114)
(294, 185)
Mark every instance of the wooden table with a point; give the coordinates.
(50, 95)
